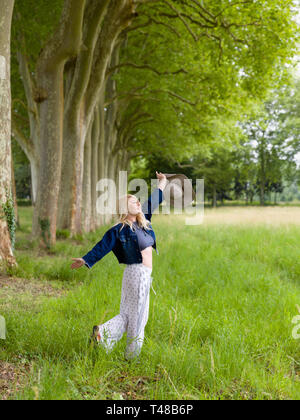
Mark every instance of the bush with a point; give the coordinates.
(62, 234)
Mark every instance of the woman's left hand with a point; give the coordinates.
(162, 180)
(160, 176)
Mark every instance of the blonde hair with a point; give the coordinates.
(122, 205)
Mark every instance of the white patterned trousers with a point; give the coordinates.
(134, 311)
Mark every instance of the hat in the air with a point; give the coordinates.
(179, 186)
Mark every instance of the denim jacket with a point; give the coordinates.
(124, 243)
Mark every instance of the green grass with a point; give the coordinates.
(219, 325)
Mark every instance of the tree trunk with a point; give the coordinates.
(87, 89)
(262, 173)
(119, 17)
(86, 190)
(64, 44)
(262, 192)
(113, 148)
(118, 168)
(34, 167)
(94, 169)
(14, 193)
(6, 253)
(51, 142)
(30, 145)
(214, 196)
(102, 152)
(76, 125)
(31, 151)
(61, 118)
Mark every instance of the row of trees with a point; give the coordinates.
(96, 83)
(261, 164)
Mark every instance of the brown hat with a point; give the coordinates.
(177, 187)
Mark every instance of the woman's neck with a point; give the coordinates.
(131, 217)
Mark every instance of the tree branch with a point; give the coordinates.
(125, 94)
(202, 15)
(138, 2)
(66, 37)
(94, 15)
(175, 95)
(152, 20)
(204, 10)
(134, 28)
(232, 5)
(120, 16)
(197, 22)
(143, 67)
(126, 137)
(25, 143)
(183, 166)
(128, 95)
(28, 81)
(130, 121)
(142, 122)
(179, 14)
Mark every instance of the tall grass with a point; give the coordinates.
(219, 325)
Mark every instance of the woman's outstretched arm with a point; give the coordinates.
(102, 248)
(155, 198)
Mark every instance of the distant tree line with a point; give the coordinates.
(261, 165)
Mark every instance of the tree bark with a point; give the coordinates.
(94, 169)
(102, 152)
(89, 79)
(30, 146)
(30, 149)
(120, 16)
(61, 111)
(64, 44)
(87, 190)
(6, 253)
(14, 194)
(75, 123)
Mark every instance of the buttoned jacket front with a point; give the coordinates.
(123, 242)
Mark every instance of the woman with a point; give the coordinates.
(131, 240)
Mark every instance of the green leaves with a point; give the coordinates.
(232, 53)
(189, 70)
(9, 212)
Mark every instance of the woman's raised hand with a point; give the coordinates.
(162, 180)
(78, 262)
(160, 176)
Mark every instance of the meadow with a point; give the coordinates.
(220, 320)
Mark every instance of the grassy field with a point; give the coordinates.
(220, 324)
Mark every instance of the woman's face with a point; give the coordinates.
(134, 206)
